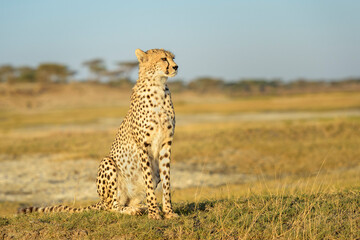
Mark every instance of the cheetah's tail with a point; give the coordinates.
(60, 208)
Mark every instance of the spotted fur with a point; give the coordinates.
(139, 158)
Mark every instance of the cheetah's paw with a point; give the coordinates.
(171, 215)
(155, 216)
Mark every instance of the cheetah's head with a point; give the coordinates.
(158, 61)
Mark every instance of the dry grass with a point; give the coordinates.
(271, 148)
(301, 102)
(307, 171)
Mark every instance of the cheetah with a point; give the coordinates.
(139, 157)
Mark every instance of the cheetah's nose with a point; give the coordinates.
(175, 67)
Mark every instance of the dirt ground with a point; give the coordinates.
(44, 179)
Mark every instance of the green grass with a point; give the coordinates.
(266, 216)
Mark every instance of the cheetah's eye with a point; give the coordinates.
(164, 59)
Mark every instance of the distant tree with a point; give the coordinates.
(206, 84)
(253, 85)
(26, 74)
(116, 79)
(7, 73)
(275, 83)
(176, 85)
(52, 72)
(113, 75)
(299, 83)
(346, 81)
(127, 67)
(97, 67)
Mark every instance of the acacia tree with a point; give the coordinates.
(127, 67)
(114, 75)
(206, 84)
(7, 73)
(53, 72)
(97, 67)
(25, 74)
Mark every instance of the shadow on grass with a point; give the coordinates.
(186, 209)
(4, 221)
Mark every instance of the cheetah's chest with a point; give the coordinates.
(161, 121)
(162, 130)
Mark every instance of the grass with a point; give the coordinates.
(307, 171)
(13, 120)
(285, 147)
(72, 144)
(282, 216)
(301, 102)
(270, 148)
(77, 113)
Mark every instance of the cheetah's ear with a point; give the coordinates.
(141, 55)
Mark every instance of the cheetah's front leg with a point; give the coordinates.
(164, 167)
(150, 193)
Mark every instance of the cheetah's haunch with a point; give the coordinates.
(139, 158)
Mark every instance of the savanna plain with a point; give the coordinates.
(256, 167)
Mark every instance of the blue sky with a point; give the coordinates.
(228, 39)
